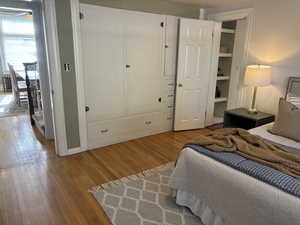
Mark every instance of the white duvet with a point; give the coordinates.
(220, 195)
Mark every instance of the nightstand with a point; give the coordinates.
(240, 118)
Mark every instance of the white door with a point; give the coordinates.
(171, 46)
(144, 57)
(102, 33)
(193, 71)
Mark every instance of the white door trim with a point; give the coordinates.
(229, 16)
(75, 11)
(55, 76)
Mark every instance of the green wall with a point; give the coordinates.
(65, 38)
(153, 6)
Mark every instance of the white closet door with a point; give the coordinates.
(144, 48)
(102, 35)
(172, 23)
(194, 59)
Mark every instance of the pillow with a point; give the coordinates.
(287, 123)
(294, 100)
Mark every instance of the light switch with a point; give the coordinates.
(67, 67)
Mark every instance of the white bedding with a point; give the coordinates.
(263, 132)
(221, 195)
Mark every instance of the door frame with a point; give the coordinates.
(247, 14)
(81, 104)
(45, 10)
(55, 77)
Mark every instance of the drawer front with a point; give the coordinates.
(170, 98)
(167, 123)
(114, 131)
(265, 121)
(170, 84)
(169, 108)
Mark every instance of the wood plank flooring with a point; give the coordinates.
(39, 188)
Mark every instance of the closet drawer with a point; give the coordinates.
(169, 108)
(170, 84)
(114, 131)
(169, 116)
(170, 98)
(167, 123)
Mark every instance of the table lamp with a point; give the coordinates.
(257, 76)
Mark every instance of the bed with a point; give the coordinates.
(222, 195)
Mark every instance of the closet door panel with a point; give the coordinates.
(172, 23)
(103, 60)
(144, 54)
(194, 59)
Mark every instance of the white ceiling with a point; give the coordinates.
(217, 3)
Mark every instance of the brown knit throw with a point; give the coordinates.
(252, 147)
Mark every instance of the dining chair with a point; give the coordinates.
(19, 88)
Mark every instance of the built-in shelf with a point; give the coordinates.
(228, 31)
(223, 77)
(223, 99)
(225, 54)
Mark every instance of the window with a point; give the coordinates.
(18, 41)
(17, 25)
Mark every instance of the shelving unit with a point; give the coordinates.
(225, 54)
(228, 31)
(224, 70)
(223, 77)
(220, 99)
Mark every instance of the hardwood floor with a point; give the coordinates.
(39, 188)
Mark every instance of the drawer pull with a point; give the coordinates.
(104, 131)
(170, 84)
(170, 96)
(169, 118)
(148, 122)
(170, 107)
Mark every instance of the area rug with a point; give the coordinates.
(143, 199)
(9, 108)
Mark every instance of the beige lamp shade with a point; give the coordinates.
(258, 75)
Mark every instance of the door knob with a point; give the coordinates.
(180, 85)
(87, 108)
(127, 66)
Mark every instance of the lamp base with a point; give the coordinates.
(252, 111)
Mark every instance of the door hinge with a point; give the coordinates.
(81, 15)
(162, 24)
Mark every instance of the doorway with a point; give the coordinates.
(18, 47)
(24, 70)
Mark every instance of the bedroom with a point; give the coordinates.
(61, 182)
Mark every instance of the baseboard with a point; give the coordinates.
(73, 151)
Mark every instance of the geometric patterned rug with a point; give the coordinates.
(143, 199)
